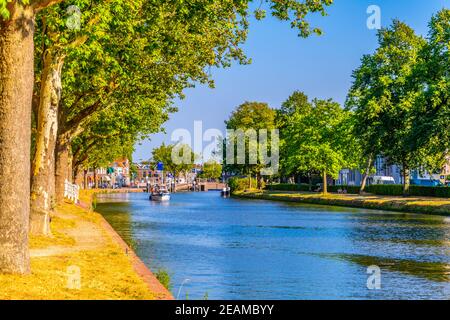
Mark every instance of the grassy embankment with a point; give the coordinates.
(81, 239)
(424, 205)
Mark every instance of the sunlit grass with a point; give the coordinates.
(106, 272)
(410, 204)
(58, 237)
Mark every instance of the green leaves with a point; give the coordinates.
(296, 12)
(431, 75)
(4, 12)
(165, 154)
(252, 116)
(396, 95)
(316, 136)
(382, 91)
(129, 59)
(211, 170)
(260, 14)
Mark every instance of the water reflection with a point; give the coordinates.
(239, 249)
(434, 271)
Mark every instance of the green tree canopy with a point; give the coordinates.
(211, 170)
(169, 155)
(382, 98)
(319, 139)
(247, 121)
(431, 112)
(298, 102)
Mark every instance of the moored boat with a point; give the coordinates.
(226, 192)
(161, 194)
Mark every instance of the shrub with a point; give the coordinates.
(241, 184)
(164, 278)
(288, 187)
(382, 190)
(421, 191)
(350, 189)
(385, 190)
(305, 187)
(441, 192)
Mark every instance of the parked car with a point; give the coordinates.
(381, 180)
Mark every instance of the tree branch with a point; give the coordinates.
(77, 120)
(93, 142)
(74, 124)
(79, 162)
(42, 4)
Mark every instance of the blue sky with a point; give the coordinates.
(282, 62)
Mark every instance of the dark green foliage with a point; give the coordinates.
(441, 192)
(382, 190)
(400, 97)
(421, 191)
(164, 278)
(252, 116)
(288, 187)
(164, 154)
(211, 170)
(400, 204)
(350, 189)
(241, 184)
(316, 137)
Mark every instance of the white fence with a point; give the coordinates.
(71, 191)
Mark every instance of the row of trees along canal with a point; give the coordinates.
(398, 106)
(79, 94)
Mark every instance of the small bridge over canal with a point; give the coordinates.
(201, 186)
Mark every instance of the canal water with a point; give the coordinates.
(219, 248)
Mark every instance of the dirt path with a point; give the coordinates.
(87, 236)
(93, 234)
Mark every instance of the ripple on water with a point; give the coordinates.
(243, 249)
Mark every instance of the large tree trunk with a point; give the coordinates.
(325, 183)
(43, 166)
(78, 178)
(62, 166)
(16, 90)
(95, 179)
(259, 181)
(366, 175)
(85, 179)
(406, 181)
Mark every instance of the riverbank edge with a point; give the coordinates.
(139, 266)
(386, 204)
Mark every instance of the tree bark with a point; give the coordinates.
(85, 179)
(406, 180)
(16, 91)
(43, 165)
(259, 181)
(95, 179)
(77, 176)
(366, 175)
(62, 166)
(325, 183)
